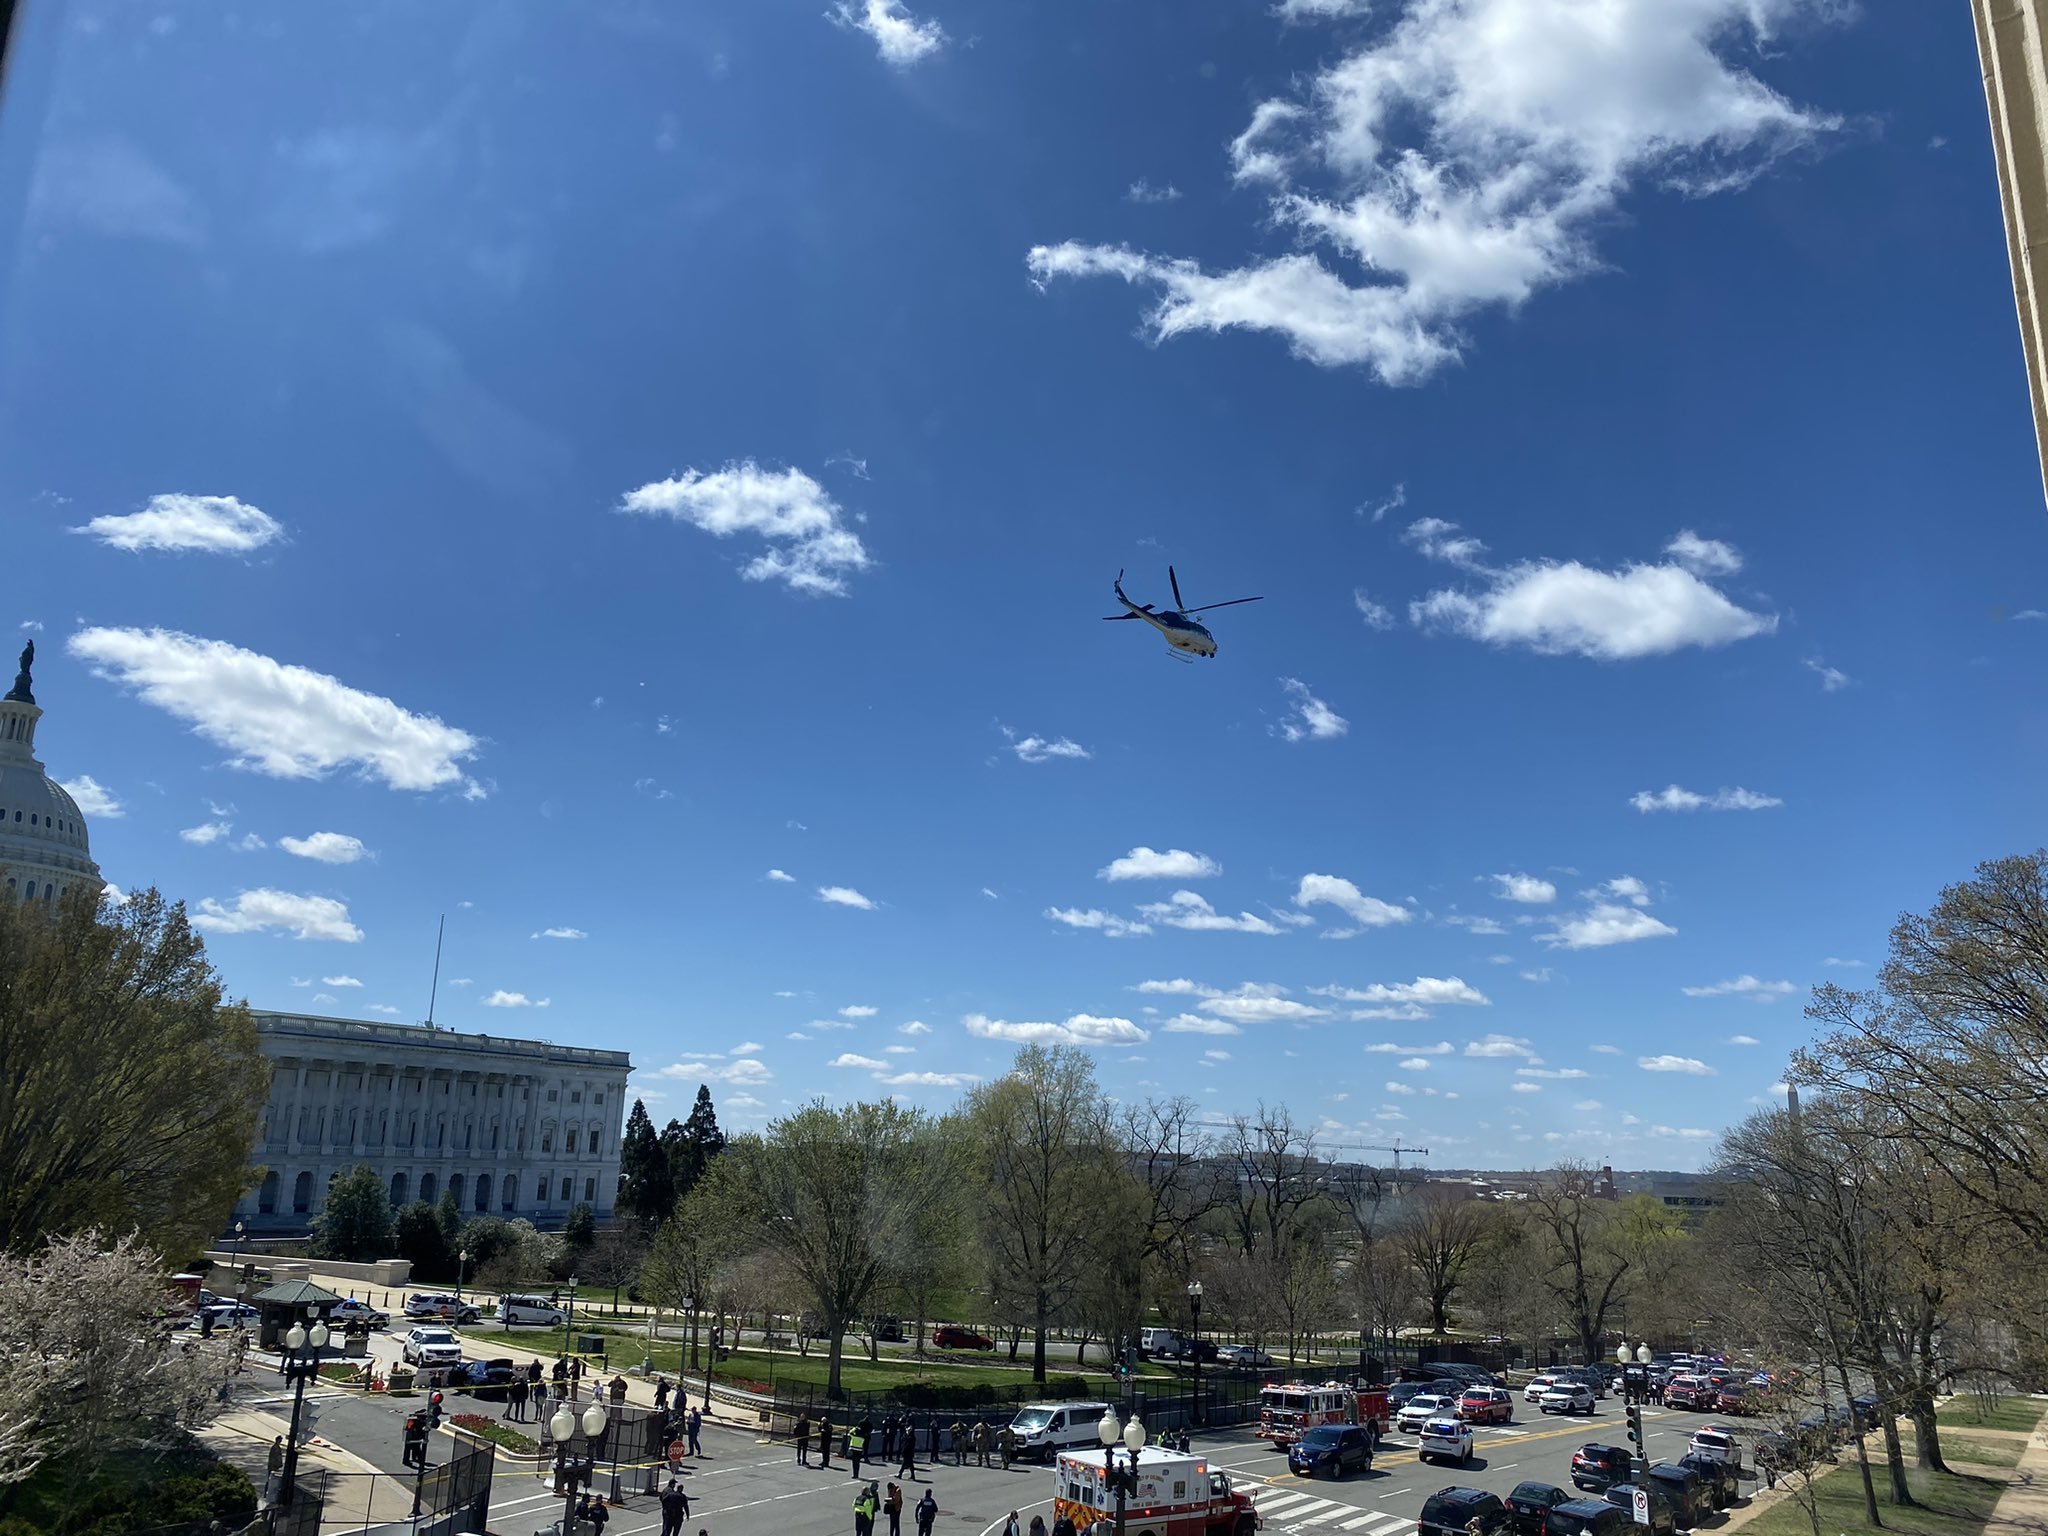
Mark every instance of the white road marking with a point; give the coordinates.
(1269, 1500)
(1323, 1515)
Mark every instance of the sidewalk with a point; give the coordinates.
(2023, 1507)
(358, 1492)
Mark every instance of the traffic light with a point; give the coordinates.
(434, 1411)
(1635, 1429)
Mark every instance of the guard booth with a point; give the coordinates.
(281, 1305)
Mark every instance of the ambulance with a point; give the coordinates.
(1288, 1412)
(1176, 1495)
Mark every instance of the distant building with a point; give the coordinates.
(43, 847)
(511, 1127)
(2013, 51)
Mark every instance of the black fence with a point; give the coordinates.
(1227, 1396)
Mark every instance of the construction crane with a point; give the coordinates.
(1397, 1149)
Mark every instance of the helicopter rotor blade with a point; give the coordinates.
(1114, 617)
(1178, 605)
(1231, 604)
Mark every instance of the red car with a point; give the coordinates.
(1734, 1398)
(1689, 1392)
(949, 1337)
(1486, 1405)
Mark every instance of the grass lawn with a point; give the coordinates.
(856, 1372)
(1967, 1412)
(1982, 1453)
(1951, 1504)
(497, 1432)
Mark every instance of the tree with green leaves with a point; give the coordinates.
(448, 1213)
(355, 1224)
(130, 1093)
(679, 1269)
(646, 1192)
(579, 1228)
(701, 1141)
(832, 1192)
(417, 1234)
(1046, 1146)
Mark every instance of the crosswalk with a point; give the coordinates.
(1288, 1509)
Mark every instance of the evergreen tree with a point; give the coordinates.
(355, 1225)
(702, 1141)
(417, 1235)
(448, 1216)
(580, 1230)
(645, 1191)
(674, 1156)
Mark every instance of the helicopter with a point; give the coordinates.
(1187, 638)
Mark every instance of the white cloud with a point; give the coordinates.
(1834, 964)
(1254, 1003)
(1413, 1064)
(460, 981)
(991, 895)
(748, 1071)
(503, 999)
(284, 721)
(560, 933)
(1528, 1087)
(652, 787)
(1626, 887)
(1333, 890)
(914, 1027)
(213, 525)
(1106, 923)
(327, 847)
(1524, 888)
(1554, 1074)
(1077, 1029)
(93, 797)
(865, 1063)
(250, 842)
(1744, 985)
(746, 1048)
(1142, 191)
(1195, 1024)
(1832, 679)
(1433, 540)
(1608, 922)
(1143, 863)
(1180, 986)
(1501, 1046)
(899, 1050)
(339, 981)
(1692, 1066)
(325, 997)
(1684, 1133)
(844, 896)
(1376, 615)
(209, 832)
(1466, 157)
(1423, 991)
(809, 548)
(384, 1008)
(1216, 1055)
(35, 626)
(832, 1024)
(1441, 1048)
(1605, 1050)
(1706, 557)
(857, 1011)
(1407, 1089)
(899, 38)
(1540, 974)
(1675, 797)
(1186, 909)
(1563, 608)
(303, 917)
(1483, 926)
(1309, 718)
(1041, 749)
(1744, 1040)
(930, 1080)
(782, 876)
(1587, 1106)
(2035, 615)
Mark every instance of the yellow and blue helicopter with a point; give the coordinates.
(1187, 638)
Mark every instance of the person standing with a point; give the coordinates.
(1006, 1445)
(959, 1434)
(888, 1438)
(927, 1513)
(892, 1506)
(982, 1439)
(1064, 1527)
(277, 1460)
(696, 1426)
(865, 1504)
(1037, 1526)
(618, 1391)
(1012, 1526)
(856, 1447)
(661, 1394)
(675, 1508)
(515, 1398)
(825, 1441)
(540, 1400)
(906, 1451)
(803, 1439)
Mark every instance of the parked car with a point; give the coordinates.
(1466, 1375)
(1691, 1500)
(1043, 1430)
(446, 1308)
(1723, 1480)
(952, 1336)
(1420, 1409)
(225, 1314)
(1530, 1502)
(1538, 1385)
(1663, 1518)
(485, 1373)
(1816, 1435)
(1595, 1467)
(1451, 1511)
(1159, 1343)
(1718, 1442)
(432, 1346)
(1869, 1410)
(1445, 1439)
(1690, 1392)
(1593, 1376)
(889, 1330)
(538, 1311)
(1245, 1355)
(1585, 1517)
(1734, 1398)
(1331, 1448)
(1567, 1397)
(1486, 1405)
(360, 1313)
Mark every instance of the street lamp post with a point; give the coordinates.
(562, 1426)
(301, 1364)
(241, 1285)
(461, 1268)
(568, 1316)
(1635, 1383)
(1122, 1481)
(1195, 1306)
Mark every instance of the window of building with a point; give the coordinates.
(597, 1098)
(576, 1097)
(547, 1141)
(565, 1186)
(570, 1144)
(590, 1189)
(551, 1095)
(427, 1188)
(398, 1189)
(266, 1197)
(302, 1193)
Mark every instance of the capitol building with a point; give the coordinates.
(43, 846)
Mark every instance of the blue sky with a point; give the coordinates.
(570, 469)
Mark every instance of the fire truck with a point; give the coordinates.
(1287, 1412)
(1177, 1495)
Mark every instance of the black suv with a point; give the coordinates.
(1691, 1499)
(1663, 1516)
(1400, 1393)
(1595, 1467)
(1585, 1517)
(1451, 1511)
(1332, 1448)
(1723, 1478)
(1466, 1375)
(1531, 1502)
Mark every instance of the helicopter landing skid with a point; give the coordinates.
(1180, 656)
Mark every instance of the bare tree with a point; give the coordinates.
(1174, 1162)
(614, 1260)
(1274, 1177)
(1383, 1285)
(1583, 1259)
(1440, 1229)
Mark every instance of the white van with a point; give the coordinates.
(514, 1310)
(1162, 1343)
(1045, 1429)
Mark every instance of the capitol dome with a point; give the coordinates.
(43, 847)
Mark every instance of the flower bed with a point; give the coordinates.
(495, 1432)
